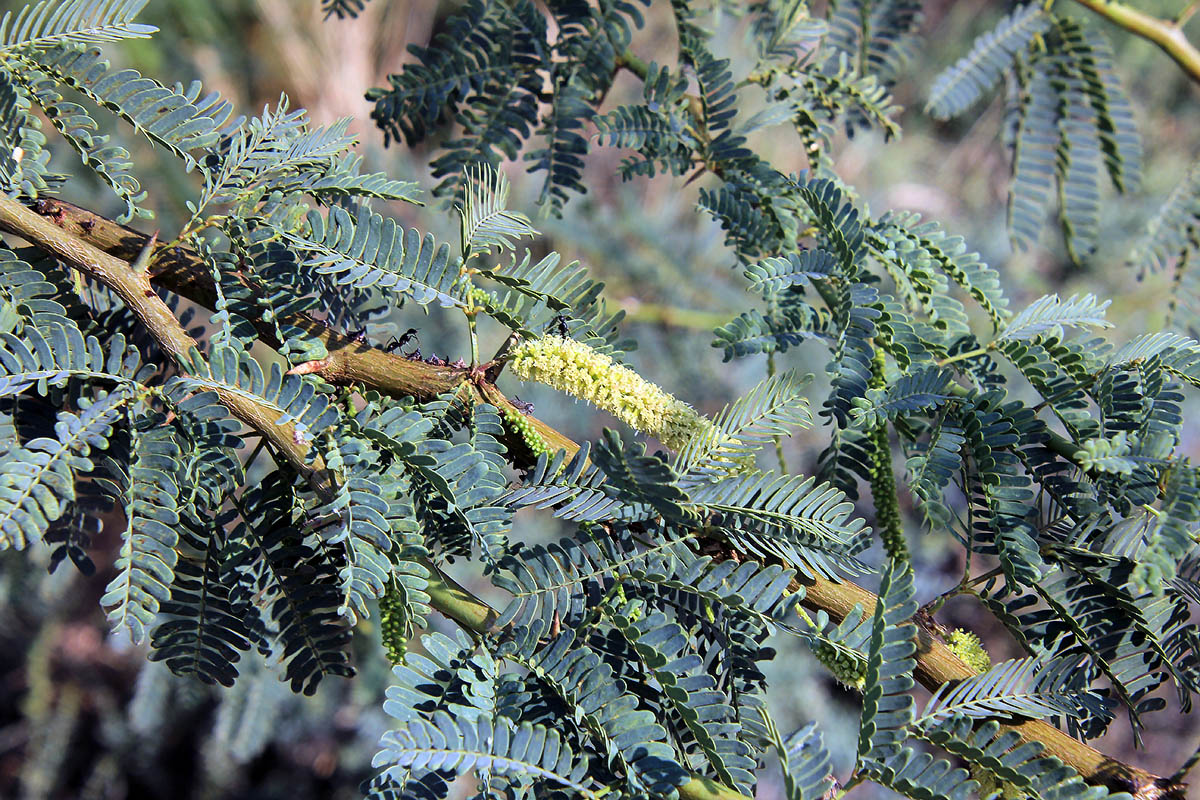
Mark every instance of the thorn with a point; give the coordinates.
(142, 262)
(492, 369)
(309, 367)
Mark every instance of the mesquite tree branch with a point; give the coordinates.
(134, 289)
(91, 244)
(1166, 34)
(349, 363)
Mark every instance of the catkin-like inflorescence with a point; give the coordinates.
(883, 482)
(847, 668)
(580, 371)
(520, 425)
(883, 491)
(967, 647)
(393, 625)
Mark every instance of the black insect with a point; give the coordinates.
(563, 330)
(522, 406)
(409, 335)
(49, 209)
(359, 335)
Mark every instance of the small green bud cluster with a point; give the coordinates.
(849, 669)
(578, 370)
(392, 624)
(883, 482)
(521, 426)
(989, 785)
(967, 647)
(478, 299)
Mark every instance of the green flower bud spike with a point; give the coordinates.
(991, 787)
(848, 669)
(883, 482)
(520, 425)
(393, 625)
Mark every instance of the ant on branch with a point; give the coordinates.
(409, 335)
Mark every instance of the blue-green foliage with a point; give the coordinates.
(146, 563)
(278, 152)
(789, 516)
(371, 250)
(544, 296)
(995, 450)
(178, 120)
(573, 488)
(203, 635)
(111, 162)
(268, 515)
(39, 474)
(527, 755)
(44, 25)
(806, 764)
(887, 704)
(580, 677)
(487, 70)
(878, 36)
(773, 408)
(1169, 241)
(888, 708)
(1136, 646)
(1005, 758)
(698, 711)
(1070, 120)
(961, 86)
(343, 8)
(1019, 688)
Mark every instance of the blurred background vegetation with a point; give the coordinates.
(80, 718)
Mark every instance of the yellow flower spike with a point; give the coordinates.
(578, 370)
(967, 646)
